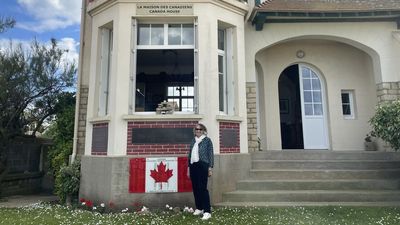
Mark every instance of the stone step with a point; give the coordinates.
(325, 164)
(260, 185)
(325, 155)
(278, 174)
(300, 204)
(318, 178)
(312, 196)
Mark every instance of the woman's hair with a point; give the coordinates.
(204, 128)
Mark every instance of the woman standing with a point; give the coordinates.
(201, 162)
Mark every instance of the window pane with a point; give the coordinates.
(306, 84)
(308, 109)
(170, 91)
(184, 103)
(317, 109)
(317, 97)
(190, 91)
(346, 109)
(345, 98)
(144, 34)
(221, 92)
(314, 75)
(307, 96)
(157, 34)
(188, 34)
(316, 84)
(220, 64)
(305, 72)
(176, 91)
(174, 34)
(184, 91)
(190, 103)
(174, 100)
(221, 39)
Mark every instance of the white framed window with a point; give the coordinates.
(312, 93)
(225, 71)
(156, 36)
(348, 104)
(222, 70)
(106, 49)
(165, 66)
(183, 96)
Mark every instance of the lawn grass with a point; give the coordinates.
(56, 214)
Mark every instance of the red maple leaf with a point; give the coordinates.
(161, 174)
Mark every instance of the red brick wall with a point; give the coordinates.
(230, 126)
(157, 149)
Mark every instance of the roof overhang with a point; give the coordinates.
(261, 16)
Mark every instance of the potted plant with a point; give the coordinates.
(386, 123)
(369, 143)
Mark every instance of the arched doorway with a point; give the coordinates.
(302, 109)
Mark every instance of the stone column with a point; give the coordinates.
(251, 94)
(388, 91)
(83, 100)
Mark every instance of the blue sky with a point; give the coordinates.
(43, 20)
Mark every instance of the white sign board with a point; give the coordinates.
(164, 9)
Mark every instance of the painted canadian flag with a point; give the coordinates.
(154, 175)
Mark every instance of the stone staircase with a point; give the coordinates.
(319, 177)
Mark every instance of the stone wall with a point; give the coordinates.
(22, 183)
(28, 165)
(388, 91)
(106, 179)
(251, 94)
(80, 147)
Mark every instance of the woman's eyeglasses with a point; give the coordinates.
(198, 129)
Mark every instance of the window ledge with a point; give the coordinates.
(100, 119)
(229, 118)
(158, 117)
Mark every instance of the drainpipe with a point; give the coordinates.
(79, 81)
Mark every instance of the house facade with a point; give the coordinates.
(272, 75)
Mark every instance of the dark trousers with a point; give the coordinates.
(199, 177)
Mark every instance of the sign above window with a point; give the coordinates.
(164, 9)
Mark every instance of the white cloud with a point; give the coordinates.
(50, 14)
(72, 47)
(13, 43)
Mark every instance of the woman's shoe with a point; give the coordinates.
(198, 212)
(206, 216)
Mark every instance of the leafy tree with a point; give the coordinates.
(6, 23)
(32, 81)
(386, 123)
(62, 132)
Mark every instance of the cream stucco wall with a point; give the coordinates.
(374, 38)
(208, 17)
(208, 14)
(342, 67)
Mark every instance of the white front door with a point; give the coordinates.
(315, 134)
